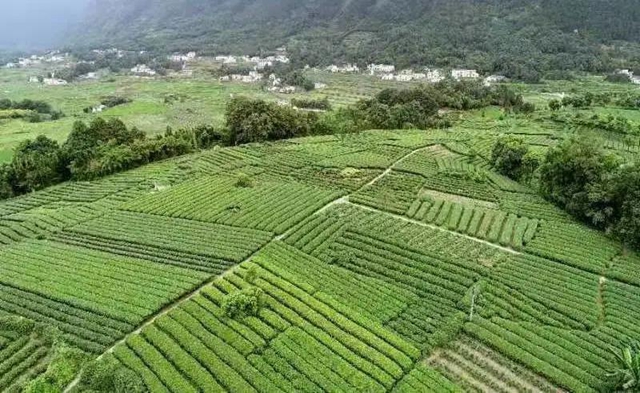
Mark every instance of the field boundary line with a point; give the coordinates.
(390, 168)
(167, 309)
(431, 226)
(345, 198)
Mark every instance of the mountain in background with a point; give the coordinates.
(515, 37)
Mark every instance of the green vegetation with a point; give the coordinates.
(32, 111)
(627, 375)
(560, 37)
(427, 255)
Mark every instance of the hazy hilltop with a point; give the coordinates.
(37, 24)
(493, 35)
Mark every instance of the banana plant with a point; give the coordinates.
(627, 371)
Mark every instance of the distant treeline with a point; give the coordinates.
(32, 110)
(104, 147)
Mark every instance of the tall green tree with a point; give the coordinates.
(36, 164)
(573, 176)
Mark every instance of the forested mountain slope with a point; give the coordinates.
(510, 36)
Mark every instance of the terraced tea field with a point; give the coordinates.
(386, 261)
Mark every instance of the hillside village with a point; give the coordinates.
(257, 65)
(252, 69)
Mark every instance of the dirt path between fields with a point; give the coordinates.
(431, 226)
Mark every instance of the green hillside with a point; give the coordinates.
(514, 37)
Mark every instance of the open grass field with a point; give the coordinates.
(198, 100)
(378, 271)
(193, 100)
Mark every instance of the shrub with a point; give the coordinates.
(244, 181)
(111, 101)
(242, 303)
(322, 104)
(108, 375)
(64, 366)
(512, 158)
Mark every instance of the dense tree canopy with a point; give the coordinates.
(521, 39)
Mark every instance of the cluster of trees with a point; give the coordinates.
(291, 74)
(94, 150)
(418, 107)
(298, 79)
(110, 102)
(615, 124)
(322, 104)
(511, 157)
(578, 175)
(251, 120)
(617, 77)
(581, 101)
(74, 71)
(33, 111)
(626, 100)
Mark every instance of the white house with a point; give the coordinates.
(626, 72)
(346, 69)
(225, 78)
(491, 79)
(404, 78)
(262, 64)
(253, 77)
(54, 82)
(636, 80)
(381, 68)
(287, 90)
(434, 75)
(34, 79)
(143, 69)
(464, 74)
(183, 58)
(26, 62)
(11, 65)
(388, 77)
(227, 59)
(320, 86)
(98, 109)
(178, 58)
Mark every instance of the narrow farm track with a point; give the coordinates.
(422, 224)
(390, 168)
(345, 199)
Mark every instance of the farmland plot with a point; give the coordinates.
(391, 261)
(72, 288)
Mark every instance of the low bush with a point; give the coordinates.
(243, 303)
